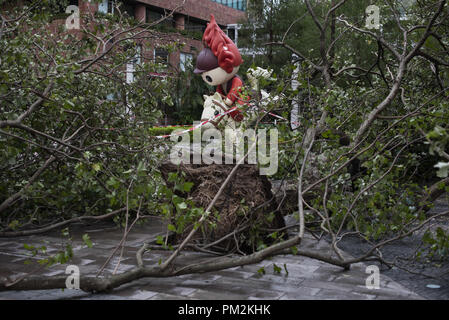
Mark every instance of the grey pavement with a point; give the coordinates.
(307, 279)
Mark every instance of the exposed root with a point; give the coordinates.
(246, 190)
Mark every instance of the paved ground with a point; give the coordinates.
(306, 278)
(427, 277)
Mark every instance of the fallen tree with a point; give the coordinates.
(95, 163)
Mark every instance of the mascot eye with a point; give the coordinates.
(209, 79)
(216, 112)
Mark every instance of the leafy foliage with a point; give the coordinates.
(406, 146)
(84, 130)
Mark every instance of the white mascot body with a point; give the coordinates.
(215, 104)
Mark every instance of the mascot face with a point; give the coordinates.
(220, 59)
(218, 76)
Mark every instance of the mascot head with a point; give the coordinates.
(219, 61)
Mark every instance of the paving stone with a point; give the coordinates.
(135, 294)
(393, 285)
(21, 259)
(70, 294)
(173, 289)
(280, 279)
(327, 294)
(4, 244)
(294, 269)
(265, 295)
(323, 274)
(103, 297)
(247, 288)
(42, 294)
(225, 288)
(206, 277)
(164, 296)
(301, 293)
(84, 262)
(387, 292)
(352, 279)
(89, 269)
(300, 260)
(253, 268)
(21, 295)
(53, 273)
(289, 287)
(242, 275)
(212, 295)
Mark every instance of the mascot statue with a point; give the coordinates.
(218, 64)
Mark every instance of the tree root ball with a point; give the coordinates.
(246, 203)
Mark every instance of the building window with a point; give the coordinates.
(185, 61)
(103, 6)
(138, 56)
(107, 6)
(161, 56)
(62, 7)
(128, 9)
(132, 64)
(232, 30)
(110, 6)
(236, 4)
(193, 25)
(153, 16)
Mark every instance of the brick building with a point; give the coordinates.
(185, 26)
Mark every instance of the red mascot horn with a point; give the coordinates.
(222, 47)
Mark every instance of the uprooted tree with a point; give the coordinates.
(373, 127)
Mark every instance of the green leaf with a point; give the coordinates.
(65, 232)
(187, 186)
(87, 240)
(14, 224)
(182, 205)
(294, 250)
(28, 247)
(285, 268)
(276, 269)
(160, 240)
(172, 176)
